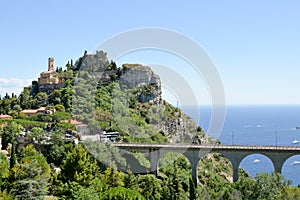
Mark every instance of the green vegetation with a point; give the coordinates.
(47, 163)
(82, 176)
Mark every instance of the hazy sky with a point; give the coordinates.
(255, 45)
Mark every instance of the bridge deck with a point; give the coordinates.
(193, 152)
(206, 147)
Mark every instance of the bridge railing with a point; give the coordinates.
(207, 146)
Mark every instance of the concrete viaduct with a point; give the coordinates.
(235, 153)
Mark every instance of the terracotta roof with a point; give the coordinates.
(33, 111)
(5, 117)
(29, 111)
(4, 152)
(42, 109)
(73, 121)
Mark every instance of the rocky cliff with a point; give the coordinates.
(95, 62)
(143, 78)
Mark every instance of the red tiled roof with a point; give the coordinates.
(73, 121)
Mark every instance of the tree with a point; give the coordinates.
(9, 132)
(79, 167)
(13, 158)
(6, 104)
(58, 152)
(290, 193)
(173, 185)
(120, 193)
(30, 176)
(86, 193)
(113, 178)
(66, 97)
(104, 117)
(17, 108)
(246, 185)
(176, 171)
(55, 97)
(149, 186)
(60, 108)
(59, 116)
(29, 183)
(41, 99)
(5, 195)
(30, 154)
(36, 133)
(269, 186)
(4, 169)
(78, 171)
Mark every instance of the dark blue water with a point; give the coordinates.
(260, 125)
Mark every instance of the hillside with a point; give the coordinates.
(41, 127)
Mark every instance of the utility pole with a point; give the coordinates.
(276, 137)
(232, 138)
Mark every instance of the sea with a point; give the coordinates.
(258, 125)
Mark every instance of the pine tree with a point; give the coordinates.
(79, 167)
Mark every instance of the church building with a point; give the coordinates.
(50, 76)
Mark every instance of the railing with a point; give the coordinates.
(215, 147)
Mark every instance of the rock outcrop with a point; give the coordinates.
(97, 62)
(129, 76)
(144, 79)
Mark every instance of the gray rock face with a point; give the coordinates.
(94, 62)
(143, 78)
(132, 76)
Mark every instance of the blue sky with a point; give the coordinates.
(255, 45)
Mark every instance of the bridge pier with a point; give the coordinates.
(278, 160)
(154, 156)
(193, 157)
(235, 158)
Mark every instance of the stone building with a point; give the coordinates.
(50, 76)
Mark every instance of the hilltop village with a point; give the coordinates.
(51, 82)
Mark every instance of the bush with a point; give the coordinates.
(120, 193)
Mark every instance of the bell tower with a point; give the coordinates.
(51, 64)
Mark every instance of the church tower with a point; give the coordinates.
(51, 64)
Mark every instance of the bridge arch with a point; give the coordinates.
(291, 168)
(192, 156)
(168, 158)
(278, 159)
(155, 155)
(211, 164)
(257, 163)
(236, 157)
